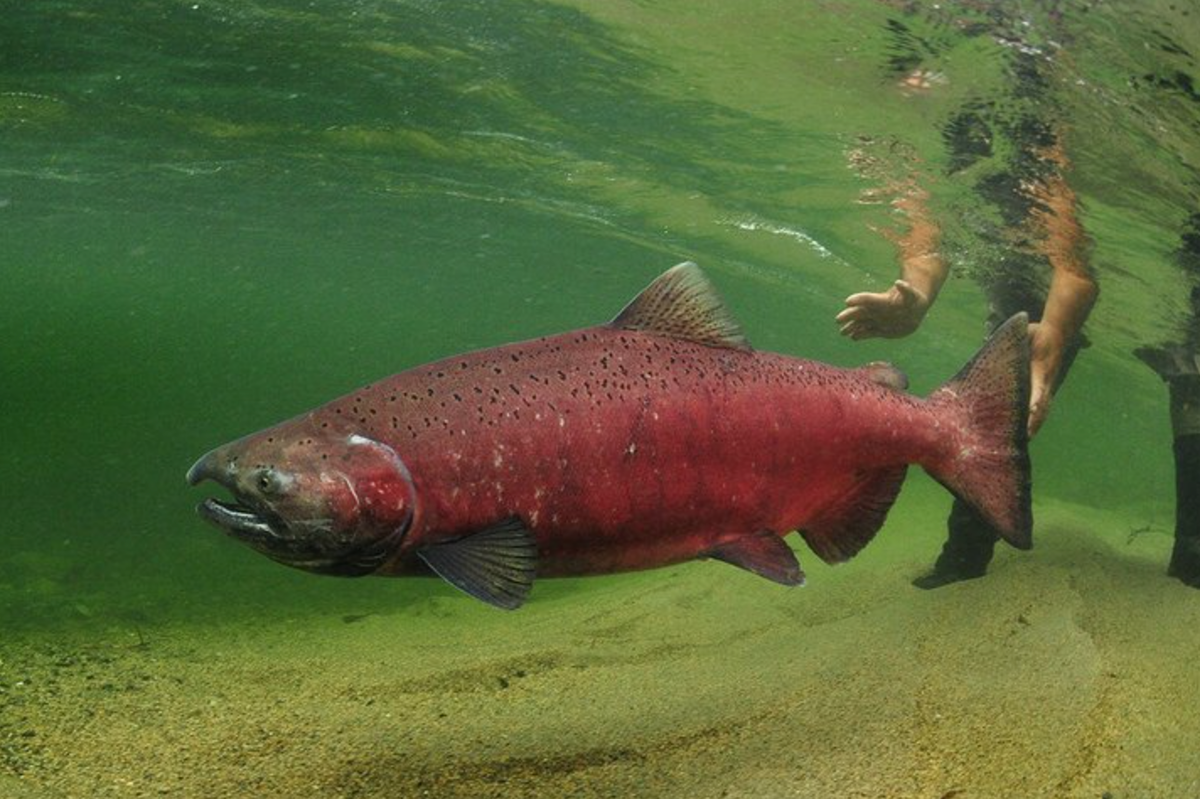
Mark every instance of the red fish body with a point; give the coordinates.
(659, 438)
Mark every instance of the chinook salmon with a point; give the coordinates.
(655, 439)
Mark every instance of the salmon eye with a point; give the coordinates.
(268, 482)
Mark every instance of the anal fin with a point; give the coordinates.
(496, 565)
(765, 554)
(849, 523)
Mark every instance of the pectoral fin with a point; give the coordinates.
(763, 553)
(496, 565)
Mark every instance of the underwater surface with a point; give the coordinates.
(217, 215)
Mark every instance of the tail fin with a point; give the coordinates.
(989, 468)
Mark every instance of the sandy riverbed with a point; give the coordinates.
(1072, 671)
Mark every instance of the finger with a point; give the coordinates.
(865, 298)
(1037, 416)
(849, 315)
(907, 292)
(857, 331)
(850, 328)
(1039, 409)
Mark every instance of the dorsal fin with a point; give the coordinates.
(682, 303)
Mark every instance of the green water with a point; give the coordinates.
(217, 214)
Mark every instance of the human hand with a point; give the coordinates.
(1046, 344)
(891, 314)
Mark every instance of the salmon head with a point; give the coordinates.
(307, 497)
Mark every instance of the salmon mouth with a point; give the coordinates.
(238, 518)
(262, 530)
(306, 547)
(235, 518)
(248, 522)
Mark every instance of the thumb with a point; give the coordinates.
(908, 293)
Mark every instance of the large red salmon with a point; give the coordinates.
(657, 438)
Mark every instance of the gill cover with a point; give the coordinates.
(376, 512)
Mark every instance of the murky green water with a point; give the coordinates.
(218, 214)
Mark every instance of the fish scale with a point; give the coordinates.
(536, 417)
(658, 438)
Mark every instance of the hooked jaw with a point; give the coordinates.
(204, 469)
(238, 520)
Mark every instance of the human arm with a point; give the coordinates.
(899, 311)
(1073, 292)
